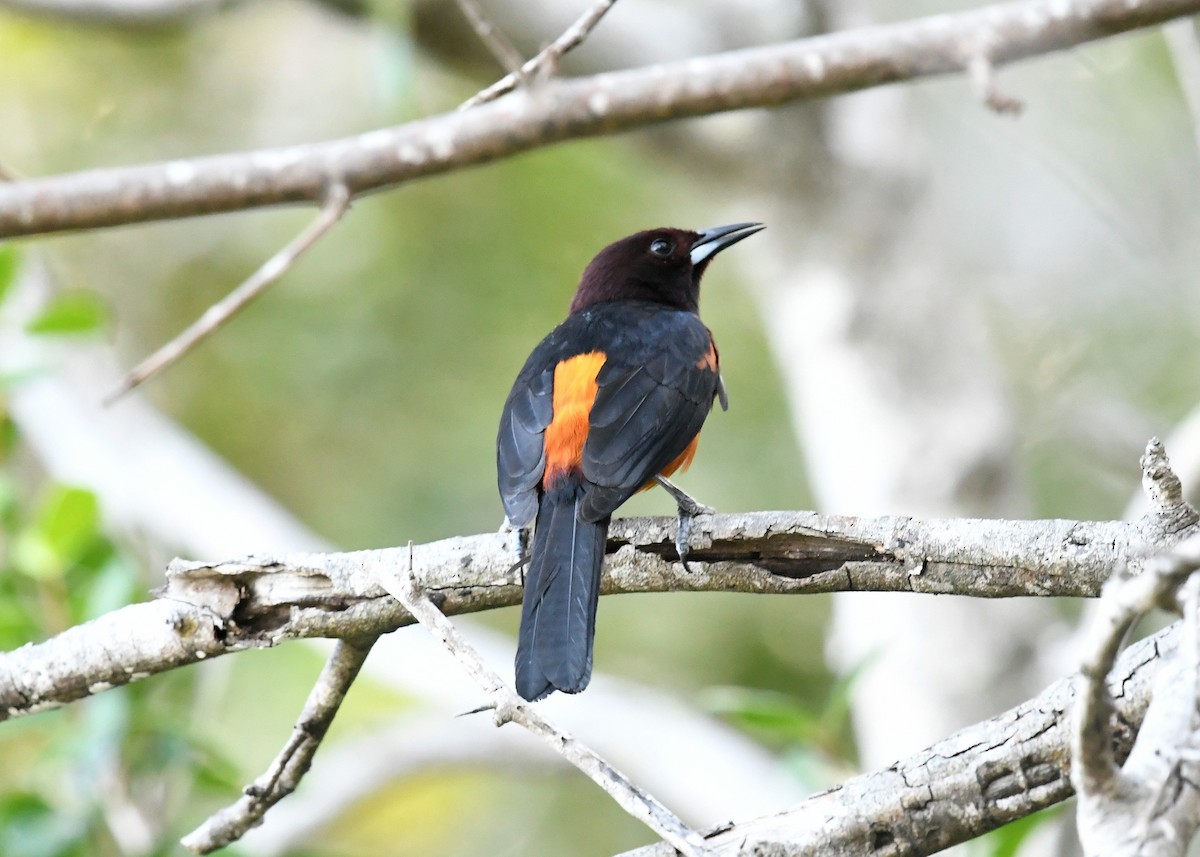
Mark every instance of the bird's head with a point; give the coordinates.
(660, 265)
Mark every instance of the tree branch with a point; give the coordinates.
(974, 781)
(571, 109)
(293, 761)
(1126, 597)
(509, 707)
(548, 58)
(493, 37)
(209, 609)
(1151, 804)
(337, 200)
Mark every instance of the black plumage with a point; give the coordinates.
(638, 373)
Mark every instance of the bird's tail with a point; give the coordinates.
(562, 588)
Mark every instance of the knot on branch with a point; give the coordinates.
(1169, 512)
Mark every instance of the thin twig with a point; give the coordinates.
(493, 38)
(509, 707)
(336, 202)
(293, 761)
(982, 74)
(549, 56)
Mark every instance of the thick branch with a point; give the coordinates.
(211, 609)
(974, 781)
(572, 109)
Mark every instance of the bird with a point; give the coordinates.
(611, 402)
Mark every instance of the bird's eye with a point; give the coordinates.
(661, 247)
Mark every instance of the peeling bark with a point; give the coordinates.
(210, 609)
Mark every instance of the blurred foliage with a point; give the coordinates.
(8, 268)
(1008, 840)
(76, 311)
(129, 770)
(363, 390)
(787, 720)
(118, 762)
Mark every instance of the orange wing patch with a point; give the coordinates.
(682, 462)
(709, 360)
(574, 394)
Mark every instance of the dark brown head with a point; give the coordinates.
(660, 265)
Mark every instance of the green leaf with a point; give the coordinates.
(70, 520)
(16, 625)
(8, 430)
(75, 311)
(836, 711)
(32, 556)
(213, 769)
(775, 713)
(8, 268)
(30, 827)
(66, 527)
(10, 503)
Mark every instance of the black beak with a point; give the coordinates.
(713, 241)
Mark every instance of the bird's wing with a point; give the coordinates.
(646, 413)
(520, 451)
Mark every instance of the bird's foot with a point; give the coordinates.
(689, 508)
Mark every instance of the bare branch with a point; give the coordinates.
(511, 708)
(337, 200)
(1123, 601)
(548, 58)
(293, 761)
(983, 80)
(570, 109)
(1148, 806)
(493, 38)
(260, 601)
(137, 641)
(974, 781)
(1161, 484)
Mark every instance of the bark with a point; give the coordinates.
(571, 109)
(209, 609)
(974, 781)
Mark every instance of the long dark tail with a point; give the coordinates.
(562, 588)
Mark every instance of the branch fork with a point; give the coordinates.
(1149, 804)
(508, 707)
(545, 64)
(335, 202)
